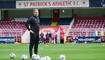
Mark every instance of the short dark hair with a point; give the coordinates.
(35, 9)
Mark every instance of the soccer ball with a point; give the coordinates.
(43, 58)
(62, 57)
(24, 57)
(35, 57)
(47, 58)
(85, 42)
(12, 56)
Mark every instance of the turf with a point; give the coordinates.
(78, 51)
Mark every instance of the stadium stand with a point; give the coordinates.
(7, 19)
(9, 29)
(85, 26)
(20, 19)
(64, 21)
(89, 22)
(45, 21)
(54, 24)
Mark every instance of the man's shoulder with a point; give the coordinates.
(31, 17)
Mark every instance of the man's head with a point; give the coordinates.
(36, 12)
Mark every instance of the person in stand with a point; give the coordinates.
(56, 38)
(50, 38)
(41, 37)
(47, 38)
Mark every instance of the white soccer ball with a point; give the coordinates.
(12, 56)
(47, 58)
(43, 58)
(35, 57)
(85, 42)
(24, 57)
(62, 57)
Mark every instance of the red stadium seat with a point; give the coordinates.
(87, 22)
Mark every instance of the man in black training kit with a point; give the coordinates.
(33, 22)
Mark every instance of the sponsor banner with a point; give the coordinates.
(63, 30)
(88, 39)
(7, 40)
(52, 29)
(52, 3)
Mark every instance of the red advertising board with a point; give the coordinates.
(63, 30)
(52, 29)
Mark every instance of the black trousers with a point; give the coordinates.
(34, 41)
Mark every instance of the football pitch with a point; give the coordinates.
(79, 51)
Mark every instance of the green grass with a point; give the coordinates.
(78, 51)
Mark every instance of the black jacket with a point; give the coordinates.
(34, 23)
